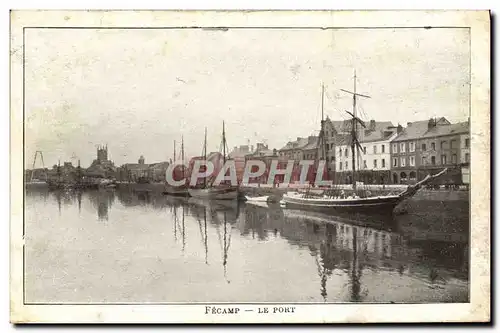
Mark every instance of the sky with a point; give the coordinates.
(139, 90)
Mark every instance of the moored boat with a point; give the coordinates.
(182, 190)
(208, 190)
(359, 200)
(215, 193)
(264, 198)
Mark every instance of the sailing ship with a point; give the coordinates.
(208, 190)
(181, 190)
(360, 200)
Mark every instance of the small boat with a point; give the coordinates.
(258, 203)
(264, 198)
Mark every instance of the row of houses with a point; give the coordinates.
(389, 154)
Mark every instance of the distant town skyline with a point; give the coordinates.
(139, 90)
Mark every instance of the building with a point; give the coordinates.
(102, 167)
(293, 150)
(238, 154)
(426, 147)
(373, 157)
(134, 172)
(266, 155)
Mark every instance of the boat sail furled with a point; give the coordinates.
(360, 200)
(181, 190)
(208, 190)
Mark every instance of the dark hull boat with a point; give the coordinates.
(334, 201)
(215, 193)
(379, 205)
(181, 191)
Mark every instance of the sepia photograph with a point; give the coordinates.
(250, 167)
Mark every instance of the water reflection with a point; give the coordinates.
(353, 260)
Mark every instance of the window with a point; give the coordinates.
(346, 165)
(413, 175)
(383, 149)
(454, 159)
(467, 143)
(443, 159)
(424, 160)
(364, 164)
(374, 149)
(394, 162)
(403, 161)
(346, 153)
(467, 158)
(444, 144)
(340, 151)
(412, 160)
(433, 160)
(340, 166)
(374, 164)
(453, 144)
(364, 150)
(402, 147)
(412, 146)
(394, 148)
(433, 146)
(424, 147)
(383, 162)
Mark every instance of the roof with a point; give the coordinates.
(297, 144)
(420, 129)
(414, 130)
(346, 125)
(442, 130)
(159, 165)
(380, 135)
(312, 143)
(135, 166)
(262, 152)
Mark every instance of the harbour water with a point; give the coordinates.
(115, 246)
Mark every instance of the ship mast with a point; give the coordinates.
(175, 156)
(205, 156)
(355, 120)
(224, 141)
(182, 155)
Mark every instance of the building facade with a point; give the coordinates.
(427, 147)
(372, 158)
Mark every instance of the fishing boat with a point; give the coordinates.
(208, 190)
(264, 198)
(182, 190)
(357, 200)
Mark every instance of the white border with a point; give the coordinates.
(477, 310)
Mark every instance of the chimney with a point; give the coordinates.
(399, 128)
(408, 123)
(251, 148)
(298, 138)
(275, 151)
(372, 125)
(235, 149)
(431, 124)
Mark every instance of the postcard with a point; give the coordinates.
(250, 166)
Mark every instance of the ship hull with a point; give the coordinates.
(177, 191)
(375, 205)
(230, 193)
